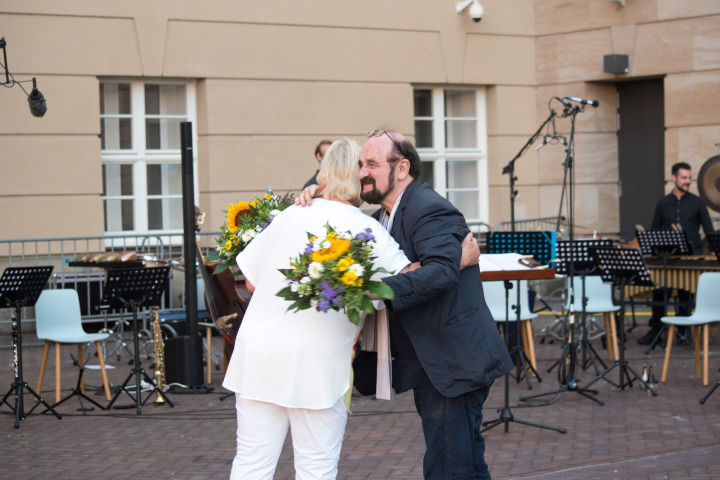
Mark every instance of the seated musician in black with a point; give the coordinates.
(678, 207)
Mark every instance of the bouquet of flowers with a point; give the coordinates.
(244, 220)
(335, 272)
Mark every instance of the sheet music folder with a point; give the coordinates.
(508, 266)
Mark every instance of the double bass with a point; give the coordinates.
(226, 298)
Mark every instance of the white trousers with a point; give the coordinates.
(317, 437)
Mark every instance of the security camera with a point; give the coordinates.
(476, 11)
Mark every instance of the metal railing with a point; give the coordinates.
(60, 252)
(535, 225)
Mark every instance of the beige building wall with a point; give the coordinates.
(273, 78)
(676, 40)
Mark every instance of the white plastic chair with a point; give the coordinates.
(495, 299)
(707, 311)
(599, 300)
(58, 317)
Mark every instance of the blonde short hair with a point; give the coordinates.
(341, 170)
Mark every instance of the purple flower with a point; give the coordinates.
(324, 305)
(309, 248)
(264, 225)
(367, 234)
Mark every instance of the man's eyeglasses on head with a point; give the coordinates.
(380, 133)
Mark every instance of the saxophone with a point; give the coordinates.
(159, 355)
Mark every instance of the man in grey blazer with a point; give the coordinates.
(444, 341)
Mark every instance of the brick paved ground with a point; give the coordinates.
(632, 436)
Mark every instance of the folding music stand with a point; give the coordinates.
(540, 245)
(577, 252)
(20, 287)
(664, 244)
(622, 266)
(714, 241)
(132, 288)
(575, 257)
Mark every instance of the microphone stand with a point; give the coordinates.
(570, 383)
(509, 169)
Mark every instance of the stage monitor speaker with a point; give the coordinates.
(615, 64)
(179, 366)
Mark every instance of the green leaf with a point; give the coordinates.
(285, 293)
(213, 256)
(220, 268)
(380, 290)
(353, 316)
(366, 304)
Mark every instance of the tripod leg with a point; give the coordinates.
(710, 392)
(657, 338)
(638, 378)
(78, 391)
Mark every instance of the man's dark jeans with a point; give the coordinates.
(455, 449)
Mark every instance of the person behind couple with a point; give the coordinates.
(293, 369)
(320, 151)
(681, 207)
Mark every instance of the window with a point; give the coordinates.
(140, 137)
(451, 139)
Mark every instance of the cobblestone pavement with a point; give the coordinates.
(633, 435)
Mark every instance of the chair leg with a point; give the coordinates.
(706, 345)
(43, 363)
(696, 341)
(57, 372)
(527, 338)
(208, 355)
(668, 347)
(80, 366)
(613, 336)
(101, 361)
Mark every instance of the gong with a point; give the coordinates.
(709, 182)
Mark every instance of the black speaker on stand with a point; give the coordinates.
(181, 365)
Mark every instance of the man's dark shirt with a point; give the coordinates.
(690, 212)
(312, 181)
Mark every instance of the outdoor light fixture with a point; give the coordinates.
(475, 10)
(36, 100)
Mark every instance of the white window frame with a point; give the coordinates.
(140, 157)
(439, 155)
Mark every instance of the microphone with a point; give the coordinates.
(38, 106)
(592, 103)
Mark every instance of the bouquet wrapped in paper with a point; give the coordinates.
(244, 220)
(335, 272)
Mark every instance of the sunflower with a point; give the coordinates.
(234, 212)
(338, 246)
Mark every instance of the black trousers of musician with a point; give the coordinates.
(683, 307)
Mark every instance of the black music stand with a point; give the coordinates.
(577, 252)
(714, 241)
(622, 266)
(541, 245)
(132, 288)
(575, 257)
(664, 244)
(506, 415)
(20, 287)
